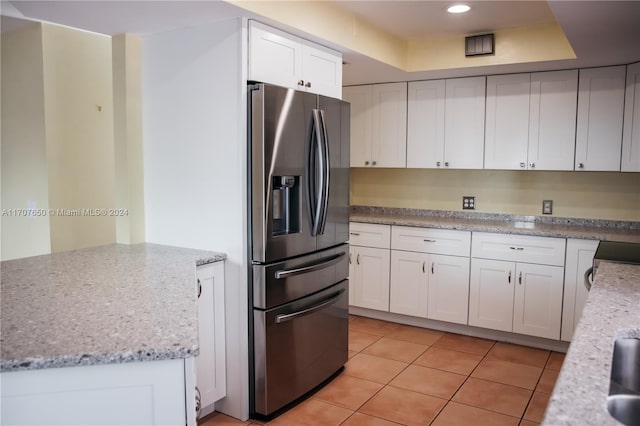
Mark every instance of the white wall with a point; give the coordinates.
(194, 131)
(78, 105)
(24, 153)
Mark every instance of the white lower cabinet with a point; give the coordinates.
(449, 289)
(409, 287)
(579, 258)
(132, 393)
(210, 364)
(520, 297)
(369, 277)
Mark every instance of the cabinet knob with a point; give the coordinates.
(373, 162)
(532, 165)
(438, 164)
(523, 165)
(366, 163)
(581, 165)
(301, 83)
(446, 164)
(308, 84)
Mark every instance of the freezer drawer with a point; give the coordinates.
(299, 345)
(283, 282)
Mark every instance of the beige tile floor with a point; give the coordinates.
(402, 375)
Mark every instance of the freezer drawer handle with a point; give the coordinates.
(328, 261)
(288, 317)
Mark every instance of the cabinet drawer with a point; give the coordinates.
(426, 240)
(369, 235)
(518, 248)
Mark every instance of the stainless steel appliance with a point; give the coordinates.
(612, 251)
(299, 223)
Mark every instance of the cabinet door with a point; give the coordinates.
(274, 56)
(361, 99)
(321, 70)
(579, 258)
(537, 307)
(507, 122)
(448, 288)
(599, 123)
(425, 124)
(552, 129)
(464, 123)
(491, 294)
(210, 364)
(631, 132)
(389, 138)
(371, 282)
(409, 285)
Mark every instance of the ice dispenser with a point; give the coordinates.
(286, 205)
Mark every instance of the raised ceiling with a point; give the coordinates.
(599, 32)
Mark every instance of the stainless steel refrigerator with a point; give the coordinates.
(299, 225)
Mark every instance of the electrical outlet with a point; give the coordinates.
(547, 206)
(468, 202)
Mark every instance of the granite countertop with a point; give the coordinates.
(590, 229)
(612, 311)
(108, 304)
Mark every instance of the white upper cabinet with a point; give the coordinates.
(425, 124)
(277, 57)
(378, 124)
(631, 131)
(389, 139)
(445, 127)
(507, 122)
(552, 120)
(600, 112)
(530, 121)
(464, 123)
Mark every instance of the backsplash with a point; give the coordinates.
(590, 195)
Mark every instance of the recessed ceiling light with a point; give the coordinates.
(458, 8)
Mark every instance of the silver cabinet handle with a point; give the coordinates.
(523, 165)
(581, 165)
(349, 258)
(438, 164)
(423, 264)
(588, 273)
(366, 163)
(520, 278)
(288, 317)
(446, 164)
(516, 248)
(199, 288)
(325, 263)
(509, 278)
(433, 265)
(358, 259)
(354, 233)
(373, 163)
(308, 84)
(429, 241)
(532, 165)
(301, 83)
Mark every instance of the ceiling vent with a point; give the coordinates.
(479, 45)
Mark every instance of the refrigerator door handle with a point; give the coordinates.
(326, 172)
(317, 176)
(326, 262)
(288, 317)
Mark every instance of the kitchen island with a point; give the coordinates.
(107, 312)
(612, 311)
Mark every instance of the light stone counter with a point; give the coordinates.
(549, 226)
(108, 304)
(612, 310)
